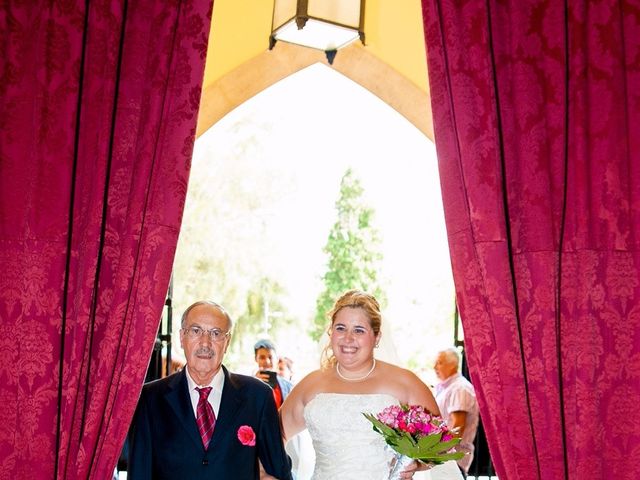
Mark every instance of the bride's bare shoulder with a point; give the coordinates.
(402, 379)
(398, 372)
(311, 385)
(311, 378)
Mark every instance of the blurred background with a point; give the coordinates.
(267, 190)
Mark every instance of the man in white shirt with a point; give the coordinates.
(457, 402)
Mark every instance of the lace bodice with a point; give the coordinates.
(346, 446)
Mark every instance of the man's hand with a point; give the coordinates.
(456, 422)
(264, 475)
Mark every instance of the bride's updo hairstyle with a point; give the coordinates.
(352, 299)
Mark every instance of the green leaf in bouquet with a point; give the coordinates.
(441, 457)
(406, 447)
(448, 445)
(409, 438)
(452, 456)
(431, 460)
(380, 427)
(408, 441)
(377, 424)
(427, 442)
(386, 431)
(372, 418)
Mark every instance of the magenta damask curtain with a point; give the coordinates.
(98, 106)
(536, 109)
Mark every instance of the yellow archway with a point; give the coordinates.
(257, 74)
(392, 64)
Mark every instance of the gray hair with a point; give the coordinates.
(452, 356)
(215, 305)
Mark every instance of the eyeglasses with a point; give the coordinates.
(215, 334)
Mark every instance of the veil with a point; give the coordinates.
(386, 350)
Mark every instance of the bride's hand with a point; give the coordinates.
(414, 467)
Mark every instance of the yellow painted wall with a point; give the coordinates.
(240, 30)
(394, 34)
(393, 28)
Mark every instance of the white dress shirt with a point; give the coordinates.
(217, 382)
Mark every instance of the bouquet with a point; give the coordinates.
(415, 434)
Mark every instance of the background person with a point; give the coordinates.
(456, 399)
(266, 358)
(285, 368)
(181, 429)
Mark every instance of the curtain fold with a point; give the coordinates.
(535, 106)
(98, 109)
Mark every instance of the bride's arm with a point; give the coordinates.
(292, 410)
(420, 394)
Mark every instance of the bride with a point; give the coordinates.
(329, 402)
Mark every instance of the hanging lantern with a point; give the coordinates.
(326, 25)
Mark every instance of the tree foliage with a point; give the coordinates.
(265, 316)
(223, 253)
(353, 251)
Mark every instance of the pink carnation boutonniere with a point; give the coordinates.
(247, 436)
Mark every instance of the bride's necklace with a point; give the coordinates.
(358, 379)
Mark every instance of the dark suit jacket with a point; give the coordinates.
(165, 443)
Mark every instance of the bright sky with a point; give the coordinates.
(309, 128)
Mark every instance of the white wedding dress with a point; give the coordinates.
(346, 447)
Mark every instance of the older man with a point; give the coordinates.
(205, 422)
(457, 402)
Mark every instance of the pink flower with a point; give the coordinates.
(396, 422)
(247, 436)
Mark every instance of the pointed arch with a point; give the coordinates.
(355, 62)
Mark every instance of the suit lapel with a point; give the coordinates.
(178, 397)
(232, 399)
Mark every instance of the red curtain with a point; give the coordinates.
(98, 106)
(536, 109)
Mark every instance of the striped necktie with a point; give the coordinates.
(205, 418)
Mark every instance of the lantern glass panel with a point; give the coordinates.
(343, 12)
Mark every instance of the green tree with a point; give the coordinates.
(353, 250)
